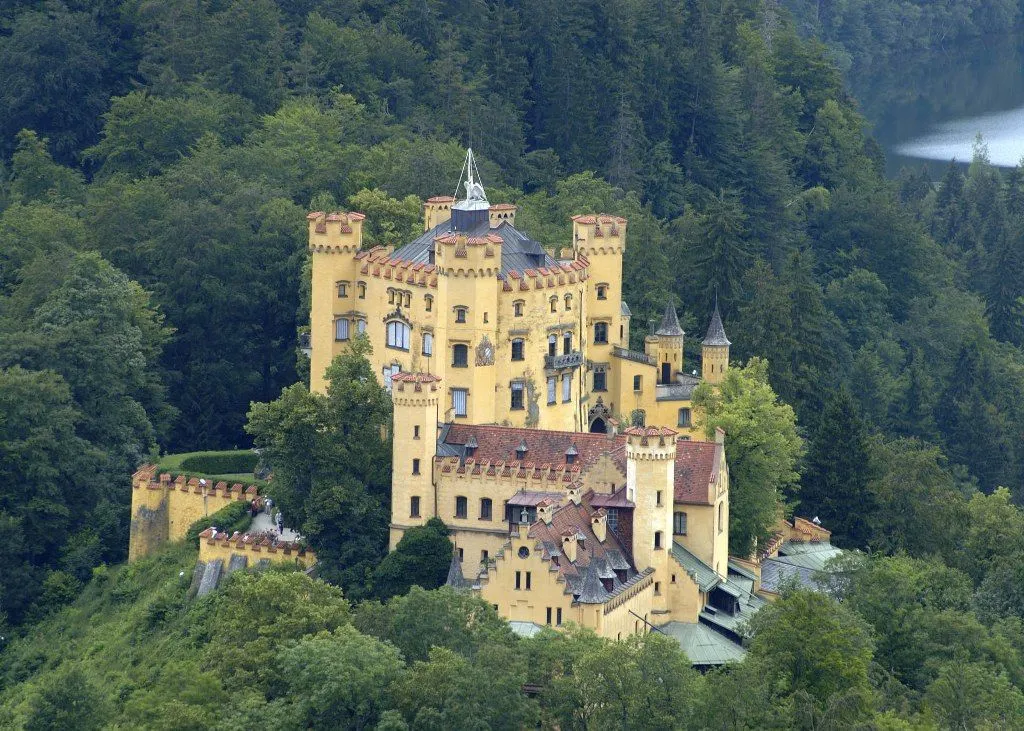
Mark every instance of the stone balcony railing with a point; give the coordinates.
(633, 355)
(573, 359)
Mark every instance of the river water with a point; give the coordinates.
(933, 113)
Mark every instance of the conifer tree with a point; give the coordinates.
(839, 466)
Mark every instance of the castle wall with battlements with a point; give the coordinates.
(219, 545)
(164, 507)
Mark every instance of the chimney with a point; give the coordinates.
(569, 545)
(545, 509)
(599, 524)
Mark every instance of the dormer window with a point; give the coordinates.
(471, 446)
(571, 453)
(521, 450)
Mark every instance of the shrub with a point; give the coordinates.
(220, 463)
(233, 516)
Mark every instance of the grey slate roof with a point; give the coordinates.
(703, 645)
(749, 604)
(455, 578)
(624, 309)
(703, 574)
(211, 577)
(716, 331)
(518, 251)
(525, 629)
(669, 323)
(592, 591)
(799, 562)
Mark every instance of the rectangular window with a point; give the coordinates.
(552, 345)
(517, 349)
(657, 539)
(343, 289)
(600, 333)
(558, 616)
(566, 387)
(637, 382)
(684, 418)
(552, 389)
(679, 524)
(460, 314)
(460, 398)
(389, 372)
(398, 335)
(602, 292)
(549, 616)
(721, 527)
(428, 303)
(485, 508)
(600, 379)
(657, 497)
(428, 344)
(517, 395)
(519, 580)
(567, 344)
(527, 580)
(657, 588)
(360, 326)
(460, 356)
(414, 507)
(416, 432)
(341, 329)
(461, 506)
(362, 290)
(484, 555)
(613, 519)
(415, 466)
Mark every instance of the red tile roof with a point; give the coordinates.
(573, 519)
(696, 462)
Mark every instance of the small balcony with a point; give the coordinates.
(573, 359)
(633, 355)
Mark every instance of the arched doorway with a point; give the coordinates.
(666, 373)
(598, 417)
(599, 426)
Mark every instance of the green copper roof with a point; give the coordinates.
(702, 644)
(703, 574)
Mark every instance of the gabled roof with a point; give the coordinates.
(696, 464)
(716, 331)
(669, 323)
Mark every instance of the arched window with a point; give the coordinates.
(408, 299)
(517, 308)
(553, 303)
(568, 302)
(460, 355)
(517, 349)
(398, 335)
(428, 344)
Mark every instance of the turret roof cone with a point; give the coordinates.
(456, 580)
(716, 331)
(669, 323)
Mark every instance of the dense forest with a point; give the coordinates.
(156, 163)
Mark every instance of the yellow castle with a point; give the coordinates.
(618, 532)
(519, 337)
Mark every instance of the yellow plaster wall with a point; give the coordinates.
(714, 363)
(414, 436)
(650, 470)
(684, 596)
(619, 616)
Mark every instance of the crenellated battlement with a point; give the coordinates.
(335, 233)
(524, 472)
(599, 234)
(215, 544)
(146, 478)
(377, 263)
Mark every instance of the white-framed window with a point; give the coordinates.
(518, 401)
(566, 387)
(398, 335)
(552, 389)
(390, 371)
(460, 399)
(360, 326)
(428, 343)
(341, 329)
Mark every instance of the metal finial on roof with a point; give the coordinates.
(476, 197)
(669, 323)
(716, 331)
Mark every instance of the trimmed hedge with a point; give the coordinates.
(232, 517)
(220, 463)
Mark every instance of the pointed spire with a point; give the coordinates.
(455, 578)
(669, 323)
(716, 331)
(592, 591)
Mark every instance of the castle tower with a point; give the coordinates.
(668, 347)
(715, 350)
(415, 397)
(650, 483)
(334, 240)
(436, 211)
(601, 241)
